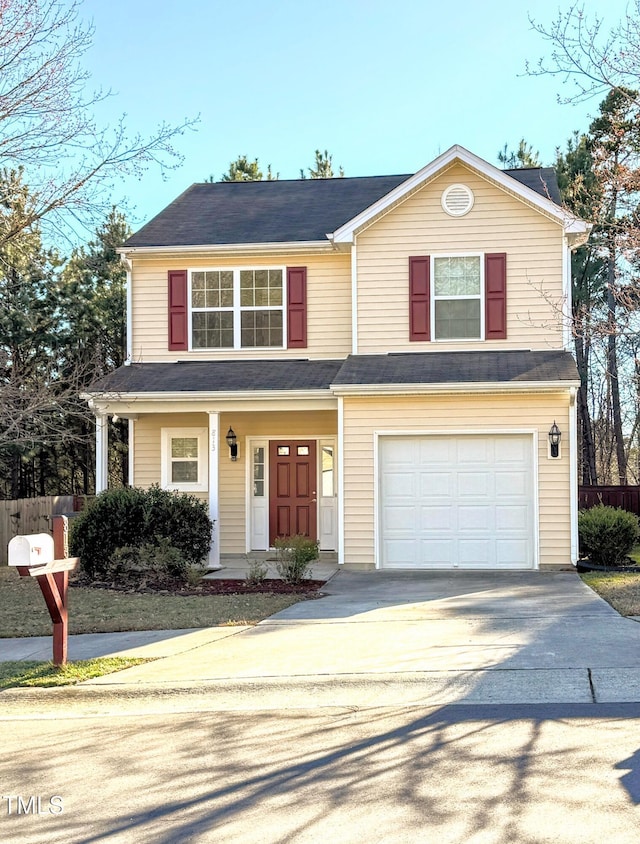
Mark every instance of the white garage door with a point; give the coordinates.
(457, 502)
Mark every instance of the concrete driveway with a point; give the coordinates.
(380, 638)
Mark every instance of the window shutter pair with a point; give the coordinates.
(296, 309)
(495, 294)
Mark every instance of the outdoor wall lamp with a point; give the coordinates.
(554, 439)
(232, 442)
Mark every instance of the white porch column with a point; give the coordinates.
(573, 477)
(214, 514)
(102, 452)
(340, 480)
(130, 443)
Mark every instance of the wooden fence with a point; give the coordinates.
(32, 515)
(625, 497)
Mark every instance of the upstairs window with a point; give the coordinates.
(457, 297)
(237, 308)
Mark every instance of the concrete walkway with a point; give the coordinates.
(382, 638)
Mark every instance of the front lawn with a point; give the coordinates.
(620, 589)
(23, 611)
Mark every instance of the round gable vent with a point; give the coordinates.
(457, 200)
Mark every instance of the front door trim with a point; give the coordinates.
(262, 513)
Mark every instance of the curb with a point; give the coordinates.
(354, 691)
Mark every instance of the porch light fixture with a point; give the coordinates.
(554, 439)
(232, 442)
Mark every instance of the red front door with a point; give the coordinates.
(292, 488)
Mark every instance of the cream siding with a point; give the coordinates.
(498, 222)
(232, 477)
(460, 414)
(328, 305)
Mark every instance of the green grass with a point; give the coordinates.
(45, 674)
(23, 611)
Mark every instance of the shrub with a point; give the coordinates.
(257, 573)
(154, 564)
(181, 518)
(132, 518)
(607, 534)
(294, 555)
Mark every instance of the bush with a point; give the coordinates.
(154, 564)
(607, 534)
(294, 555)
(132, 518)
(257, 573)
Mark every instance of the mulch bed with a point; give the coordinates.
(309, 588)
(629, 566)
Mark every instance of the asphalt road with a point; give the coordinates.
(461, 773)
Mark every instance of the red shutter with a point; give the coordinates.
(178, 334)
(296, 307)
(495, 296)
(419, 298)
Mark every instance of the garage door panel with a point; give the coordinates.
(474, 451)
(438, 518)
(511, 484)
(512, 518)
(440, 552)
(479, 518)
(401, 553)
(475, 484)
(430, 452)
(509, 551)
(512, 450)
(436, 485)
(399, 518)
(472, 553)
(457, 502)
(401, 484)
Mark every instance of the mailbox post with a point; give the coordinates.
(35, 556)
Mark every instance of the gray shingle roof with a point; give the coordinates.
(220, 376)
(457, 368)
(282, 211)
(542, 180)
(420, 368)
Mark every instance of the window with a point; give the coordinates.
(457, 297)
(184, 459)
(327, 470)
(258, 471)
(237, 308)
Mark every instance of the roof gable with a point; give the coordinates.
(316, 211)
(537, 186)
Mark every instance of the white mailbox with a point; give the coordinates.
(35, 549)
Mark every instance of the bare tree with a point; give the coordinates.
(47, 123)
(594, 59)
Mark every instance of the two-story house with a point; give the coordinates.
(379, 363)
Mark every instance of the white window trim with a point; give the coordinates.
(435, 298)
(166, 435)
(237, 309)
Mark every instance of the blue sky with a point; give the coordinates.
(384, 86)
